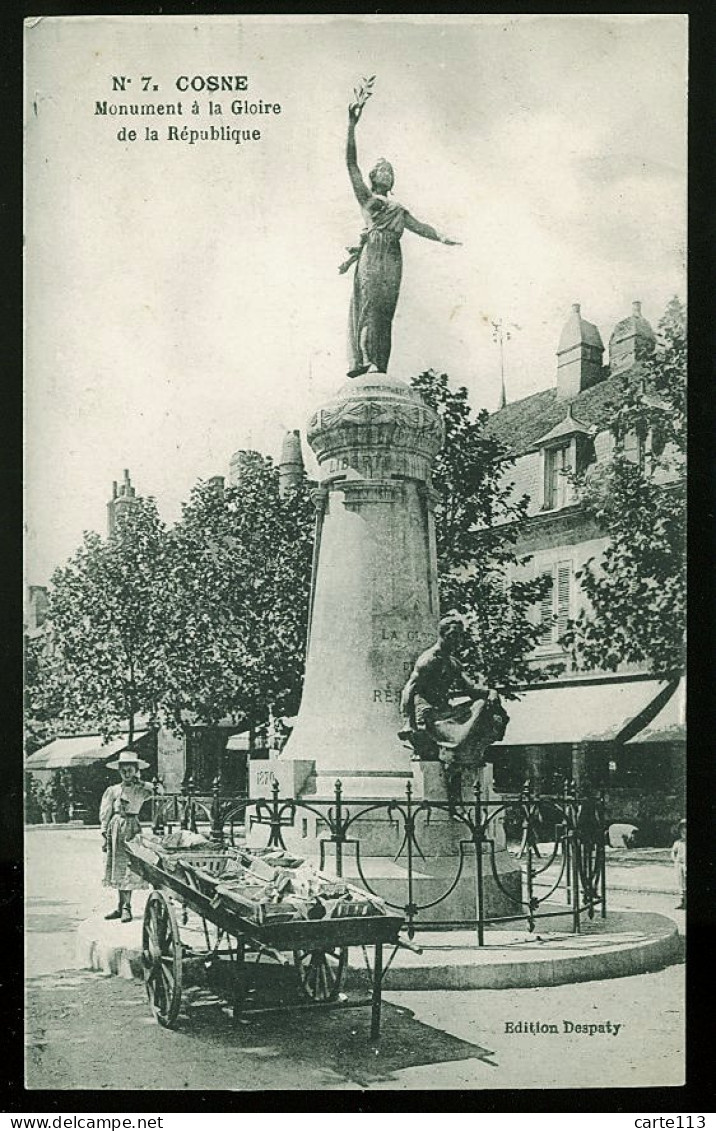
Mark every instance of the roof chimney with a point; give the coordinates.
(579, 356)
(290, 468)
(631, 340)
(123, 497)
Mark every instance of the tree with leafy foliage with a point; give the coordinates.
(477, 523)
(42, 693)
(99, 663)
(236, 599)
(636, 593)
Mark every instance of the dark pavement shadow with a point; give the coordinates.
(70, 1044)
(338, 1039)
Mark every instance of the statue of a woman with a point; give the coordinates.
(378, 259)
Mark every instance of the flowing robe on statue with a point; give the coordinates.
(376, 284)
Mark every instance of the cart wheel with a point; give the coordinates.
(162, 959)
(320, 972)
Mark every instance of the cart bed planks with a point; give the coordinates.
(319, 948)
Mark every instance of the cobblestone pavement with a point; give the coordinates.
(89, 1031)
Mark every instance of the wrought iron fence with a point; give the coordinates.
(557, 839)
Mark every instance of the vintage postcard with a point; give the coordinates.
(355, 362)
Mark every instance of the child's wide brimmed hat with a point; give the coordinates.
(127, 758)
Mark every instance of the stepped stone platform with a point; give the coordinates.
(626, 942)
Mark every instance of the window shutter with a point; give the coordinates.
(557, 461)
(565, 466)
(548, 479)
(564, 577)
(546, 608)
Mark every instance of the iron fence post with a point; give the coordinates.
(183, 815)
(275, 838)
(339, 831)
(157, 809)
(217, 825)
(477, 840)
(566, 844)
(574, 836)
(601, 814)
(528, 836)
(192, 805)
(187, 790)
(410, 909)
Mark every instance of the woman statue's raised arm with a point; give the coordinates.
(360, 188)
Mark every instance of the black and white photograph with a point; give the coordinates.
(355, 552)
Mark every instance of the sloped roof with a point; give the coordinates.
(519, 425)
(569, 426)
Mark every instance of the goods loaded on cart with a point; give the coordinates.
(249, 906)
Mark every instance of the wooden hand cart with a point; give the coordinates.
(318, 948)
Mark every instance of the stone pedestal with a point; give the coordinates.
(375, 600)
(374, 610)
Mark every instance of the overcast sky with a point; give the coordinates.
(184, 301)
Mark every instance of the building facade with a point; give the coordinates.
(571, 723)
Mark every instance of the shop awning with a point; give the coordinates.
(238, 742)
(670, 723)
(80, 750)
(611, 711)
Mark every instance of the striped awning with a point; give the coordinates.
(610, 711)
(79, 750)
(670, 723)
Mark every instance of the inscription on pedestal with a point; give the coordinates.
(386, 694)
(410, 635)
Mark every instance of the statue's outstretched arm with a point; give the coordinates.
(427, 232)
(361, 190)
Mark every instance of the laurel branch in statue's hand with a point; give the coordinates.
(362, 94)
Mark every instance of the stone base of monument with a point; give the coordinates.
(377, 846)
(626, 943)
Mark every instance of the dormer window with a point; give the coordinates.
(558, 463)
(566, 448)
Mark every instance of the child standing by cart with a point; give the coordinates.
(119, 821)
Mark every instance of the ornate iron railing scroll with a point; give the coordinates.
(554, 842)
